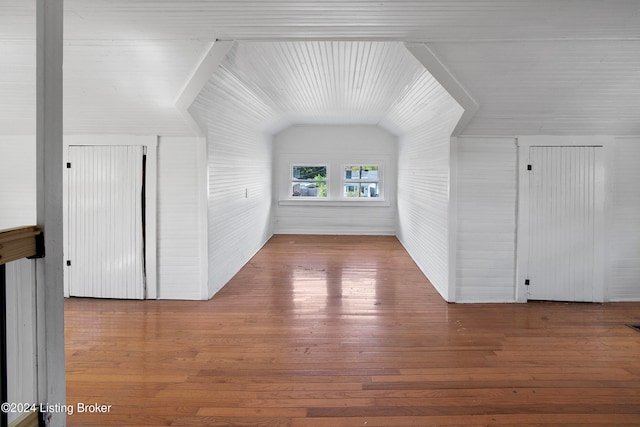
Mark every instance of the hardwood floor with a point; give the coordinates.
(345, 331)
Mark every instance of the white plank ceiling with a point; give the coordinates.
(534, 66)
(563, 86)
(327, 82)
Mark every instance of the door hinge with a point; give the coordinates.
(68, 165)
(68, 263)
(529, 167)
(526, 282)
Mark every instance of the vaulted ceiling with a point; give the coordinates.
(333, 82)
(533, 66)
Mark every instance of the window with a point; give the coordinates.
(332, 183)
(361, 181)
(309, 181)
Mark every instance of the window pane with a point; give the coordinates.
(361, 189)
(309, 181)
(310, 172)
(361, 172)
(309, 189)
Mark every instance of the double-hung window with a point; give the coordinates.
(334, 183)
(309, 181)
(361, 181)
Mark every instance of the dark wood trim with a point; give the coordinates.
(18, 243)
(31, 419)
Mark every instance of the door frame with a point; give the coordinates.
(524, 143)
(150, 226)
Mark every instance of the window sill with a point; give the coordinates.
(320, 202)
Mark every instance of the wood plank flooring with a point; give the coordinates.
(326, 331)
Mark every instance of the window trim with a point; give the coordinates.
(335, 190)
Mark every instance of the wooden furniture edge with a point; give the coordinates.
(17, 243)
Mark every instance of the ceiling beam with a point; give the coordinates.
(207, 65)
(448, 81)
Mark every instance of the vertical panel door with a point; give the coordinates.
(106, 222)
(563, 205)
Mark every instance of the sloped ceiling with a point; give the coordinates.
(380, 19)
(549, 87)
(534, 66)
(329, 82)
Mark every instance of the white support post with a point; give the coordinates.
(49, 291)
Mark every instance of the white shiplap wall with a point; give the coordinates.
(486, 219)
(17, 181)
(623, 272)
(18, 84)
(182, 231)
(240, 218)
(335, 146)
(423, 180)
(21, 332)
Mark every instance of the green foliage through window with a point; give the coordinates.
(322, 186)
(309, 181)
(310, 172)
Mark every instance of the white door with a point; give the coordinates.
(106, 242)
(564, 203)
